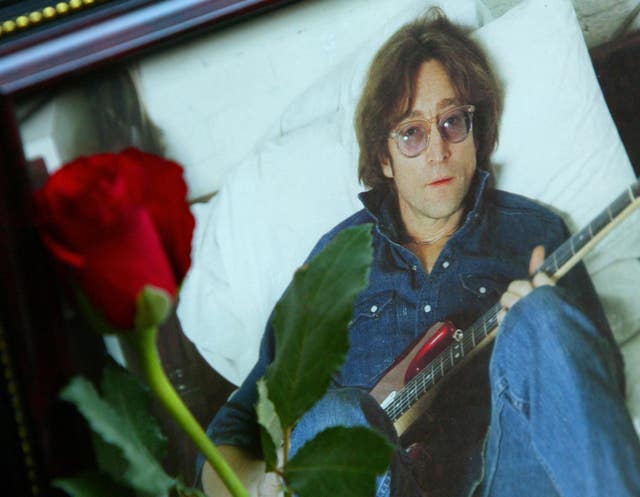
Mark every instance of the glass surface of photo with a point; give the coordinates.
(256, 101)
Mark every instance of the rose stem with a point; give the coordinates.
(144, 341)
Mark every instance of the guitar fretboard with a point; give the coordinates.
(556, 265)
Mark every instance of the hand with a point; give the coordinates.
(269, 486)
(250, 470)
(519, 288)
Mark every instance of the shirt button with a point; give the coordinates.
(414, 268)
(482, 290)
(427, 308)
(374, 308)
(445, 264)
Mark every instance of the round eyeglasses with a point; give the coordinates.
(454, 125)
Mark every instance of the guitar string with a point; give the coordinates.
(404, 399)
(429, 376)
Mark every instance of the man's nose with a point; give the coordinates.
(438, 148)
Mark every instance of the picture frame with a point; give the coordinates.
(42, 344)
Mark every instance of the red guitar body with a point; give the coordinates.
(436, 341)
(410, 363)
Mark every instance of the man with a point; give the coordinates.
(446, 247)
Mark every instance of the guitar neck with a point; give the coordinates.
(575, 248)
(482, 331)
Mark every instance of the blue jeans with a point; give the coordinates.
(559, 423)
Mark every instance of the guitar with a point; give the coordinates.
(409, 386)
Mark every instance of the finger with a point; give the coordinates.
(520, 287)
(542, 279)
(509, 299)
(501, 314)
(517, 289)
(537, 258)
(269, 486)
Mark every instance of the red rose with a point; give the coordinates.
(121, 222)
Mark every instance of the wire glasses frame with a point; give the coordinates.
(454, 125)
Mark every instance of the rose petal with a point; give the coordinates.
(166, 198)
(119, 267)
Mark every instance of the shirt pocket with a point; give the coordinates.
(483, 288)
(372, 330)
(373, 307)
(479, 293)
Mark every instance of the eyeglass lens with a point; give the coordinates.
(413, 136)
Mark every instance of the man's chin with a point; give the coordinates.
(440, 214)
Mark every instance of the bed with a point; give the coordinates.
(539, 51)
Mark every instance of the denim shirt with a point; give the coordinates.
(491, 248)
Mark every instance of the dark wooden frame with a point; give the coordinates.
(41, 343)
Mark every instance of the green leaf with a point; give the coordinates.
(311, 322)
(339, 461)
(271, 430)
(153, 306)
(110, 458)
(117, 428)
(92, 484)
(132, 400)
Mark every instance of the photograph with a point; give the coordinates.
(234, 228)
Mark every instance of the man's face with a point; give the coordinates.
(432, 185)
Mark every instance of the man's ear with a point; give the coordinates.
(387, 167)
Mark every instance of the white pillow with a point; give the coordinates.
(618, 288)
(220, 96)
(558, 144)
(252, 236)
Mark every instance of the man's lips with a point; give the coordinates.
(441, 181)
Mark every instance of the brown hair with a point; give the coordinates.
(391, 87)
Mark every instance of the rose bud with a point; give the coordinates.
(103, 218)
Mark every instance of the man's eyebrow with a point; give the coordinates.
(446, 102)
(442, 104)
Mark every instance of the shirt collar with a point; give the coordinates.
(382, 206)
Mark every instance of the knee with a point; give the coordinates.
(544, 303)
(546, 325)
(548, 314)
(545, 340)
